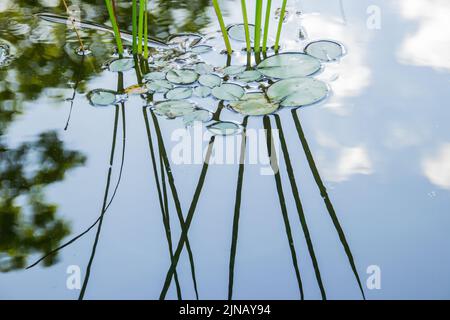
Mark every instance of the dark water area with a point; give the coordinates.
(362, 188)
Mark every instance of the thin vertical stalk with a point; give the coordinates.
(280, 25)
(298, 203)
(134, 23)
(326, 199)
(276, 170)
(258, 20)
(141, 24)
(222, 27)
(266, 25)
(112, 18)
(246, 28)
(146, 31)
(237, 209)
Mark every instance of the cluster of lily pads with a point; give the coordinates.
(179, 77)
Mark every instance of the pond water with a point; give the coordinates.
(371, 160)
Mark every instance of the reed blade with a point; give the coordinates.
(246, 28)
(222, 27)
(280, 25)
(258, 20)
(112, 18)
(266, 25)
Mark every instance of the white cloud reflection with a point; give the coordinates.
(436, 167)
(428, 46)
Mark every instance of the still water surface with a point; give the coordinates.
(380, 144)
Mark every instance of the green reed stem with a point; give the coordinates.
(141, 25)
(145, 31)
(246, 28)
(266, 25)
(280, 25)
(134, 22)
(258, 14)
(222, 27)
(112, 18)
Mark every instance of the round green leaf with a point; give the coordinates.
(228, 91)
(173, 108)
(234, 70)
(210, 80)
(121, 65)
(179, 93)
(102, 97)
(156, 75)
(237, 32)
(254, 104)
(297, 92)
(325, 50)
(289, 65)
(203, 68)
(182, 76)
(202, 91)
(200, 49)
(201, 115)
(224, 128)
(185, 40)
(159, 86)
(249, 76)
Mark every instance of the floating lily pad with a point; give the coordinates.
(289, 65)
(224, 128)
(254, 104)
(228, 91)
(203, 68)
(200, 49)
(234, 70)
(325, 50)
(297, 92)
(185, 40)
(174, 108)
(159, 86)
(179, 93)
(121, 65)
(156, 75)
(102, 97)
(183, 76)
(249, 76)
(200, 115)
(210, 80)
(202, 91)
(136, 89)
(237, 32)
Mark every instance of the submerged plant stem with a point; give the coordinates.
(280, 25)
(222, 27)
(266, 25)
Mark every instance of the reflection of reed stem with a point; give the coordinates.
(274, 163)
(299, 206)
(237, 209)
(325, 197)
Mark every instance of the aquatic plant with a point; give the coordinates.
(266, 25)
(246, 27)
(258, 14)
(280, 25)
(112, 18)
(222, 27)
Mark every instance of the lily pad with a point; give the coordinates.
(228, 91)
(185, 40)
(200, 49)
(159, 86)
(173, 108)
(102, 97)
(156, 75)
(325, 50)
(179, 93)
(234, 70)
(249, 76)
(289, 65)
(203, 68)
(297, 92)
(254, 104)
(237, 32)
(200, 115)
(183, 76)
(121, 65)
(202, 91)
(224, 128)
(210, 80)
